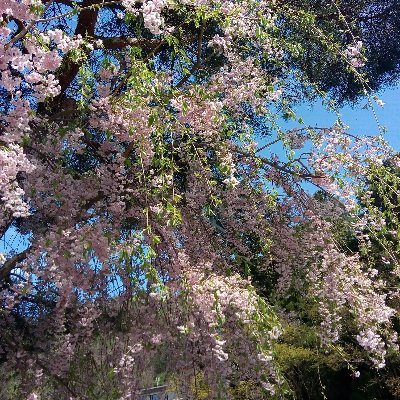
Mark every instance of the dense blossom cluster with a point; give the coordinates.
(148, 204)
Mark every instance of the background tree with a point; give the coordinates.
(316, 24)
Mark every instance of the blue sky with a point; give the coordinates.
(361, 121)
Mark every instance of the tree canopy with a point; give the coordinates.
(375, 23)
(162, 238)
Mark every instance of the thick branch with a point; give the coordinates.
(110, 43)
(10, 264)
(6, 222)
(198, 62)
(86, 26)
(23, 30)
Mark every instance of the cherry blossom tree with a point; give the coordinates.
(129, 160)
